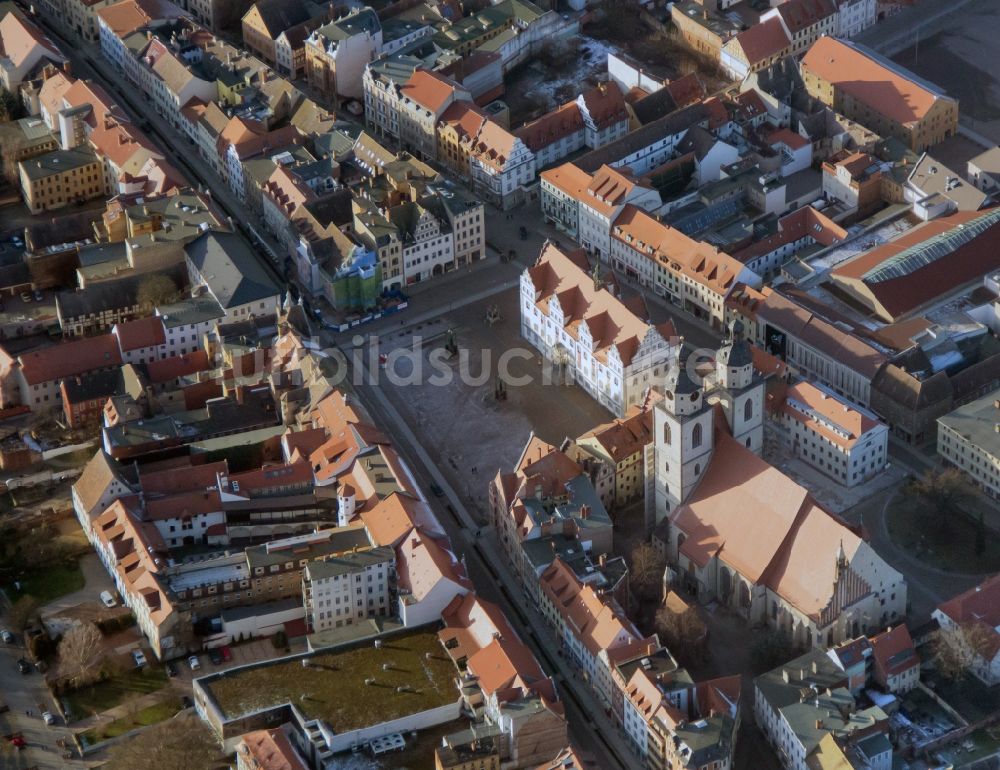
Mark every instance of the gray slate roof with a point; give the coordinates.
(231, 269)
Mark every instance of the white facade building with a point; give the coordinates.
(346, 589)
(588, 335)
(843, 441)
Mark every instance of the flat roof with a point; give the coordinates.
(331, 685)
(977, 423)
(58, 162)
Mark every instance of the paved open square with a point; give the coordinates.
(954, 59)
(461, 423)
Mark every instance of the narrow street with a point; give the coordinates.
(592, 729)
(23, 693)
(88, 63)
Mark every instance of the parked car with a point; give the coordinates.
(25, 296)
(48, 718)
(24, 666)
(17, 740)
(171, 669)
(194, 663)
(186, 701)
(38, 295)
(215, 656)
(7, 636)
(227, 654)
(139, 658)
(108, 599)
(436, 490)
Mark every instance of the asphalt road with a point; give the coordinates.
(88, 63)
(24, 692)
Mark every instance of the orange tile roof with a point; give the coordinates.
(624, 438)
(887, 88)
(787, 137)
(493, 145)
(390, 520)
(597, 625)
(569, 178)
(830, 416)
(465, 118)
(70, 358)
(610, 322)
(607, 190)
(20, 40)
(184, 478)
(128, 16)
(422, 562)
(696, 260)
(685, 90)
(790, 544)
(570, 759)
(430, 90)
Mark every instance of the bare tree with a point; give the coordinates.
(181, 743)
(155, 289)
(22, 613)
(956, 648)
(80, 654)
(646, 570)
(682, 632)
(943, 492)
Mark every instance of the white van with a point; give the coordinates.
(108, 600)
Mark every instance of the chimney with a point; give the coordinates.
(602, 560)
(584, 511)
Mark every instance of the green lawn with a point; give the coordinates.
(111, 692)
(150, 715)
(52, 582)
(332, 687)
(953, 549)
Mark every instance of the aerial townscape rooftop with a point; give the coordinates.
(507, 385)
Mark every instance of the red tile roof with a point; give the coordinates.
(912, 286)
(805, 222)
(70, 358)
(141, 333)
(980, 607)
(551, 127)
(894, 651)
(166, 369)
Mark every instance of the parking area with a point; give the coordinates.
(466, 429)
